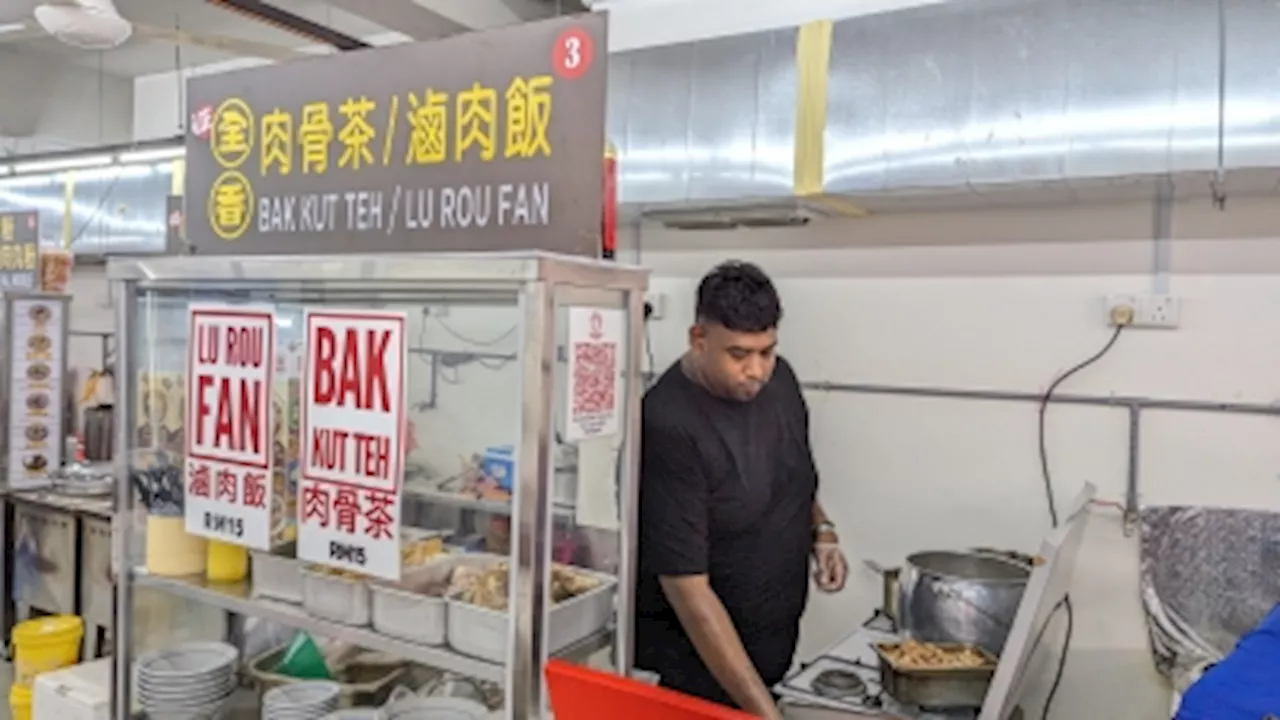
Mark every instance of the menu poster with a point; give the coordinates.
(37, 347)
(231, 357)
(592, 406)
(353, 441)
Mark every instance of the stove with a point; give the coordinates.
(840, 684)
(847, 677)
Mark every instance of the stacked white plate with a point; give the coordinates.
(306, 700)
(187, 682)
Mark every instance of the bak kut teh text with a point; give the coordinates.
(353, 434)
(230, 358)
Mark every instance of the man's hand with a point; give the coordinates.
(830, 568)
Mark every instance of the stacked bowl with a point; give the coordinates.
(305, 700)
(187, 682)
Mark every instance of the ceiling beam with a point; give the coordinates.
(271, 15)
(402, 16)
(529, 10)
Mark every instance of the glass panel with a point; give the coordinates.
(464, 390)
(591, 384)
(119, 209)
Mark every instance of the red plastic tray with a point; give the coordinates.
(579, 693)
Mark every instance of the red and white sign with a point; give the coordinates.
(230, 363)
(353, 441)
(595, 373)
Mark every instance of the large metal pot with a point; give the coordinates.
(961, 597)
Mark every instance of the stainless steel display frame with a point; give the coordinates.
(57, 448)
(539, 280)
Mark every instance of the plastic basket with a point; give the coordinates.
(579, 693)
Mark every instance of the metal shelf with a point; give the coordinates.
(425, 491)
(236, 598)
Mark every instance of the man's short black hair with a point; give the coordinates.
(739, 296)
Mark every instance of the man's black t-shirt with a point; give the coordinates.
(726, 490)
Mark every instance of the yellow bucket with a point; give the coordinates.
(20, 702)
(44, 644)
(227, 562)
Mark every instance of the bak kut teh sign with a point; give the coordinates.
(230, 360)
(353, 441)
(483, 141)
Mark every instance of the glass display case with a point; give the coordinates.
(515, 379)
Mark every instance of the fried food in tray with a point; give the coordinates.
(913, 655)
(487, 587)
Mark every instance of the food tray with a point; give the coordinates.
(277, 576)
(482, 633)
(362, 684)
(936, 688)
(334, 597)
(399, 610)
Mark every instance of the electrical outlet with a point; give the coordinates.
(657, 305)
(1146, 311)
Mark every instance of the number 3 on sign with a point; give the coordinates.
(572, 54)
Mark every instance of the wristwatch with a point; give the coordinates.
(824, 527)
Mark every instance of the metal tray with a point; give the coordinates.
(940, 688)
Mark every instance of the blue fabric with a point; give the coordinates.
(1244, 686)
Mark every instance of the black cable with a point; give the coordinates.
(1053, 516)
(1044, 409)
(1062, 659)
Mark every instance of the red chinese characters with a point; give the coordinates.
(354, 437)
(198, 475)
(230, 366)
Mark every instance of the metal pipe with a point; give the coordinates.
(121, 525)
(1115, 401)
(1131, 474)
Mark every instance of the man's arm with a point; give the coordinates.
(716, 639)
(674, 530)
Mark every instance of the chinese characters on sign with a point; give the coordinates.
(19, 251)
(230, 362)
(353, 444)
(595, 377)
(449, 145)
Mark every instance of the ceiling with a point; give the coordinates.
(376, 21)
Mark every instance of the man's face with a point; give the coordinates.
(735, 365)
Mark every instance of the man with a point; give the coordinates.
(729, 516)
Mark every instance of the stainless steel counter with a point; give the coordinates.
(101, 507)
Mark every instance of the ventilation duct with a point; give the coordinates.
(988, 99)
(85, 24)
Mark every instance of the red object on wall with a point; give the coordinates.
(609, 223)
(579, 693)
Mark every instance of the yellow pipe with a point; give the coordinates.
(179, 178)
(813, 64)
(68, 203)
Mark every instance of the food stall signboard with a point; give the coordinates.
(229, 438)
(595, 377)
(19, 251)
(37, 366)
(483, 141)
(353, 441)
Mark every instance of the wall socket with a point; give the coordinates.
(1149, 311)
(657, 305)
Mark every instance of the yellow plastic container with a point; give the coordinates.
(171, 550)
(20, 702)
(44, 644)
(227, 562)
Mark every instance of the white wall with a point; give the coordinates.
(52, 105)
(903, 474)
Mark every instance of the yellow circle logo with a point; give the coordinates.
(230, 205)
(231, 136)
